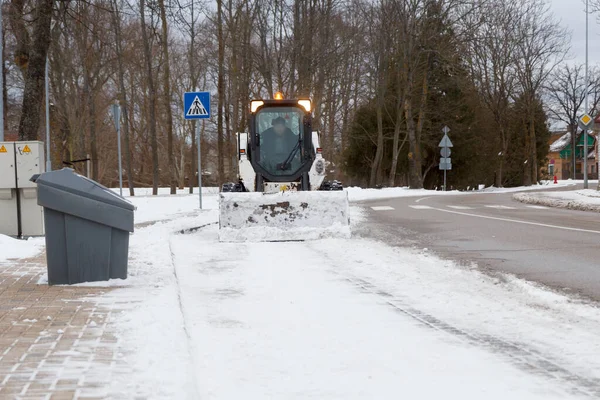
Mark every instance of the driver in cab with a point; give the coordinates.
(278, 144)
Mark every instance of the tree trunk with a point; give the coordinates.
(220, 93)
(92, 116)
(534, 163)
(33, 95)
(167, 97)
(379, 152)
(193, 74)
(152, 99)
(123, 98)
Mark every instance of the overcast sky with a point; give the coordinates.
(571, 14)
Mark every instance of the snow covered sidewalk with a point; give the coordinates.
(356, 319)
(583, 200)
(329, 319)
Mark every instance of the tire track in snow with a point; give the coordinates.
(519, 354)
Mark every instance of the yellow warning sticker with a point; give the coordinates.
(26, 149)
(3, 149)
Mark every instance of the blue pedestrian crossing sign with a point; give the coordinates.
(196, 105)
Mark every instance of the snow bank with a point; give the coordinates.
(283, 216)
(583, 200)
(15, 248)
(356, 194)
(543, 185)
(360, 194)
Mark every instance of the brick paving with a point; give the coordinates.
(56, 342)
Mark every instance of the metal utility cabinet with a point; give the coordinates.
(87, 226)
(20, 214)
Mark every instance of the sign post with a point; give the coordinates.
(116, 112)
(586, 123)
(196, 105)
(445, 152)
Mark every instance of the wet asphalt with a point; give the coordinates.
(555, 247)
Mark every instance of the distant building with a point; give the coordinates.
(561, 155)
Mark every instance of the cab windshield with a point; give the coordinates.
(280, 130)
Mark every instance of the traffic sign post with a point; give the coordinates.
(586, 123)
(445, 152)
(196, 105)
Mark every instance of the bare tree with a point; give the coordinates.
(541, 46)
(565, 92)
(32, 59)
(492, 62)
(116, 21)
(167, 96)
(152, 97)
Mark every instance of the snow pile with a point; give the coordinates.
(283, 216)
(589, 192)
(14, 248)
(583, 200)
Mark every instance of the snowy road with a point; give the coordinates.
(338, 319)
(556, 247)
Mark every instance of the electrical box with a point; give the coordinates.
(20, 214)
(8, 191)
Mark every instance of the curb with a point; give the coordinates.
(542, 200)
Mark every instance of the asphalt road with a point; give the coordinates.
(556, 247)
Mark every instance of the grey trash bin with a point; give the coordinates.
(87, 228)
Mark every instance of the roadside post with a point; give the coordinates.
(445, 152)
(586, 123)
(196, 105)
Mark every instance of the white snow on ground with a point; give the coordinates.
(156, 208)
(165, 191)
(356, 194)
(359, 194)
(584, 200)
(339, 319)
(335, 319)
(589, 193)
(15, 248)
(151, 326)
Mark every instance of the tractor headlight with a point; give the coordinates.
(254, 104)
(306, 104)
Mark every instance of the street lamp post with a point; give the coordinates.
(585, 136)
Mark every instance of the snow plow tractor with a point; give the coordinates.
(281, 167)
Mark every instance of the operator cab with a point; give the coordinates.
(281, 148)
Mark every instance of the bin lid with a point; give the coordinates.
(68, 180)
